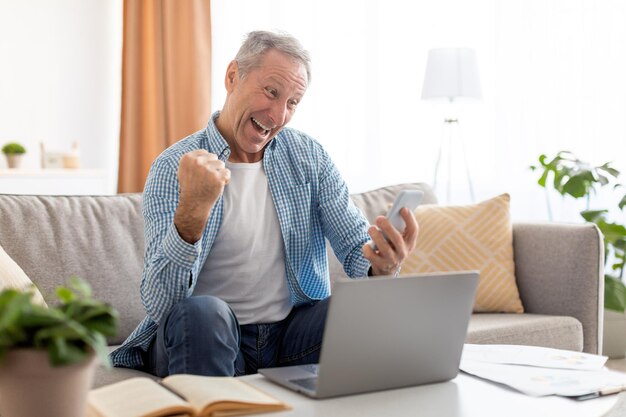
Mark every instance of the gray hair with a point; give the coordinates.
(259, 42)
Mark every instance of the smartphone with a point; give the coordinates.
(406, 198)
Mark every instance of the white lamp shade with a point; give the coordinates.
(451, 73)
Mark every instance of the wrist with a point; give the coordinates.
(393, 273)
(396, 274)
(190, 222)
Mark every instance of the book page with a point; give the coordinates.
(222, 393)
(135, 397)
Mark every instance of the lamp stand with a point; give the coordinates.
(451, 167)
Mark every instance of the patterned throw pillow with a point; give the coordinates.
(12, 276)
(477, 236)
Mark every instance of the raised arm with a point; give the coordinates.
(177, 202)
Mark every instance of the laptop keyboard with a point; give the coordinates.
(308, 383)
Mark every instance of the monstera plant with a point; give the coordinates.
(568, 175)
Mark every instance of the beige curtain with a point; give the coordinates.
(166, 80)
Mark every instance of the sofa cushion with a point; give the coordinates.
(99, 239)
(470, 237)
(559, 332)
(12, 276)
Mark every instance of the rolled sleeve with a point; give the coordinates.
(183, 254)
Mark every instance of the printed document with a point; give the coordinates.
(533, 356)
(540, 371)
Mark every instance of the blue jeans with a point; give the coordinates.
(202, 336)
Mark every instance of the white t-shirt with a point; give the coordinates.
(246, 265)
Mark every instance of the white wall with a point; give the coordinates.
(551, 74)
(60, 78)
(368, 59)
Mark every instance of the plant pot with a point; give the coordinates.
(14, 160)
(30, 386)
(614, 335)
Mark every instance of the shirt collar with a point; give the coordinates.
(217, 143)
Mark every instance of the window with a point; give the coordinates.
(552, 75)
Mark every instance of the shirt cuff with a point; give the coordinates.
(178, 251)
(361, 268)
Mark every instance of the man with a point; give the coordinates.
(236, 215)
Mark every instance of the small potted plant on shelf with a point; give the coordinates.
(580, 180)
(13, 152)
(48, 355)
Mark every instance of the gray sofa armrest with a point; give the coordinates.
(559, 271)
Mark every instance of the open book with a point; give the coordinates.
(185, 395)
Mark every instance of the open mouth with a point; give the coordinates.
(260, 127)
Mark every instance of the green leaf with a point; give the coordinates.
(609, 169)
(65, 294)
(82, 288)
(63, 353)
(576, 186)
(107, 326)
(100, 347)
(559, 179)
(601, 179)
(594, 215)
(543, 178)
(38, 318)
(620, 245)
(614, 294)
(69, 331)
(612, 231)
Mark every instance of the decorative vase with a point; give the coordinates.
(14, 160)
(30, 386)
(614, 334)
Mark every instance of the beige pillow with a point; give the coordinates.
(12, 276)
(477, 236)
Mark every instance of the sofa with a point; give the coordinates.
(558, 267)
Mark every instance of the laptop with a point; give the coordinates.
(384, 332)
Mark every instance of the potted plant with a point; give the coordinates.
(48, 355)
(13, 152)
(579, 179)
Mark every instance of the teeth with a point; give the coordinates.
(260, 124)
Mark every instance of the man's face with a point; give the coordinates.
(259, 105)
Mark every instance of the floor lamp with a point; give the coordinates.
(451, 74)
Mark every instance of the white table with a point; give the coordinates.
(464, 396)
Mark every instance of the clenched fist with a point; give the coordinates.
(202, 178)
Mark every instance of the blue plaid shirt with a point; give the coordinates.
(312, 203)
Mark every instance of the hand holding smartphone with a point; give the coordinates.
(406, 198)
